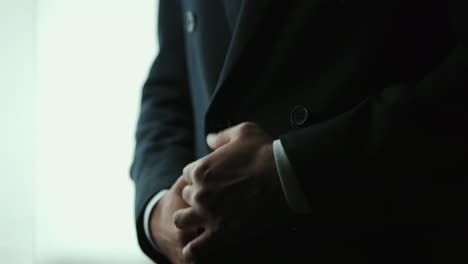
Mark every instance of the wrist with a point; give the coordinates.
(156, 220)
(148, 216)
(292, 191)
(274, 186)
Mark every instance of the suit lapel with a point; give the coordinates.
(251, 13)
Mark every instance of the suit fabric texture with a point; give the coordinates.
(369, 99)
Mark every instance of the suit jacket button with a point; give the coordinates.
(299, 116)
(190, 22)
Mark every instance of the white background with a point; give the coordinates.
(70, 79)
(17, 103)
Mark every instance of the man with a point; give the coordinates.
(332, 130)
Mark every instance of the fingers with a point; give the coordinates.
(187, 195)
(179, 185)
(186, 235)
(215, 141)
(188, 218)
(195, 171)
(188, 170)
(224, 137)
(198, 246)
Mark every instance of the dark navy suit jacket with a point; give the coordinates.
(369, 99)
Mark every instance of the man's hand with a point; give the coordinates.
(234, 192)
(167, 236)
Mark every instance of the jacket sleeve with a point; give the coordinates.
(398, 155)
(164, 135)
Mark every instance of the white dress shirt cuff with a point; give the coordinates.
(293, 192)
(147, 215)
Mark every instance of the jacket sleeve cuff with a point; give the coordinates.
(147, 217)
(293, 193)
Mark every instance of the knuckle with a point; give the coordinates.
(177, 220)
(208, 203)
(203, 196)
(195, 250)
(184, 170)
(191, 251)
(199, 172)
(246, 128)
